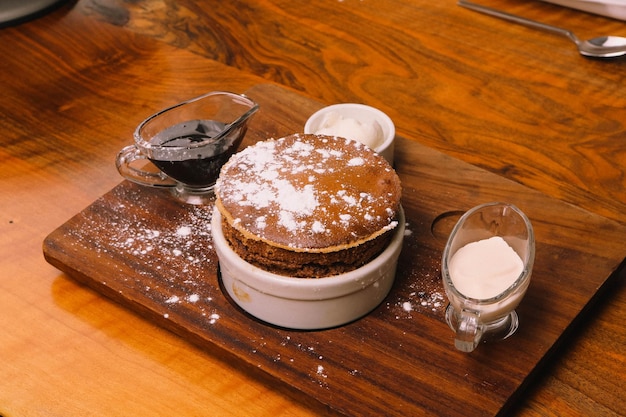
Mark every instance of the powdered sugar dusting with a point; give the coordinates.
(277, 183)
(172, 252)
(422, 288)
(164, 255)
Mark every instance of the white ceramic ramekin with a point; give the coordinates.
(307, 303)
(364, 114)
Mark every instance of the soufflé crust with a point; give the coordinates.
(308, 205)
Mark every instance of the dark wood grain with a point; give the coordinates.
(394, 361)
(497, 95)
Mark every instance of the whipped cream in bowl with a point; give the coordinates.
(360, 122)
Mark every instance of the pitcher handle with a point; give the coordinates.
(130, 154)
(469, 330)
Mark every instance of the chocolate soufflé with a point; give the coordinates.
(308, 206)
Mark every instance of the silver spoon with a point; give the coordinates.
(600, 47)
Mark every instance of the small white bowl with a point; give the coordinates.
(307, 303)
(363, 114)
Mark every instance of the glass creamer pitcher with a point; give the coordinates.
(188, 143)
(486, 268)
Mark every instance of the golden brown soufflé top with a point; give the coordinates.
(309, 193)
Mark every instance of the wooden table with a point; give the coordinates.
(76, 82)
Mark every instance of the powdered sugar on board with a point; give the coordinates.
(163, 249)
(422, 289)
(418, 292)
(171, 258)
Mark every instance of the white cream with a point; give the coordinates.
(334, 124)
(485, 268)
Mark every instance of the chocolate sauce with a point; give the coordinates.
(198, 164)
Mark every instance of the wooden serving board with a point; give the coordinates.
(140, 247)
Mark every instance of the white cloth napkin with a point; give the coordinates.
(611, 8)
